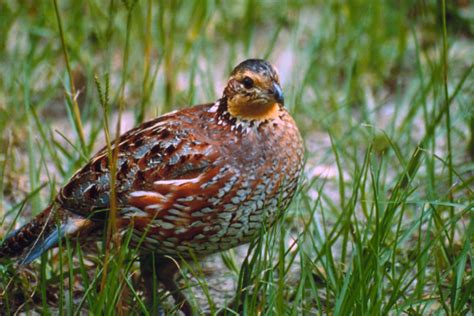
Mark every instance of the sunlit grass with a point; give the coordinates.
(382, 92)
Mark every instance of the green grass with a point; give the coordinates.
(382, 92)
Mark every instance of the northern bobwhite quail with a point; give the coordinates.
(195, 181)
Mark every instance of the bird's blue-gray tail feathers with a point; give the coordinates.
(42, 233)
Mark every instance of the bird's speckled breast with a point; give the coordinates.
(268, 160)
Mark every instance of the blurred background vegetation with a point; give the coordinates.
(382, 91)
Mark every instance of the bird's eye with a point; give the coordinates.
(248, 82)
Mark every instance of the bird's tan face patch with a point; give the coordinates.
(262, 82)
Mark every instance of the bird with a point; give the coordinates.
(189, 183)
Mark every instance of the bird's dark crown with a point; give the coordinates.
(259, 66)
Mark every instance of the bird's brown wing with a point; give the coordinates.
(160, 163)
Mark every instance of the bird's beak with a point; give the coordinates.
(278, 94)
